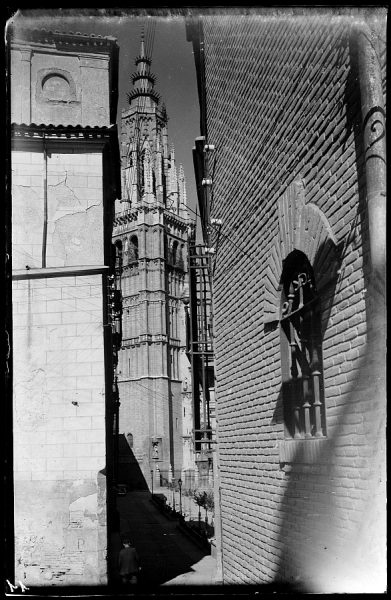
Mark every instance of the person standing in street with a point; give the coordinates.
(129, 563)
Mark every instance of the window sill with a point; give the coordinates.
(303, 451)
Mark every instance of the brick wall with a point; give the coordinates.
(283, 106)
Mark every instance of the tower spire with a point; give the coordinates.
(143, 80)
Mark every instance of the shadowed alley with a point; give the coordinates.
(167, 556)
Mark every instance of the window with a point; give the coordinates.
(180, 259)
(118, 255)
(301, 354)
(56, 86)
(174, 253)
(133, 249)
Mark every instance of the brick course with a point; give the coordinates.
(283, 105)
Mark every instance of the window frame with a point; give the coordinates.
(301, 351)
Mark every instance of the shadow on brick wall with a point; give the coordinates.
(333, 535)
(333, 532)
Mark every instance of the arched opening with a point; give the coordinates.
(133, 249)
(117, 255)
(56, 87)
(180, 257)
(174, 253)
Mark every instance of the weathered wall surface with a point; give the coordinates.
(153, 333)
(283, 105)
(151, 407)
(70, 88)
(59, 368)
(62, 183)
(74, 195)
(144, 415)
(187, 409)
(59, 431)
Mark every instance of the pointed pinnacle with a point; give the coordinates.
(142, 46)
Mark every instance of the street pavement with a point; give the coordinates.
(167, 556)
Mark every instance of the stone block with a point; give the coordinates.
(89, 436)
(91, 409)
(63, 305)
(98, 422)
(23, 475)
(94, 159)
(39, 451)
(93, 463)
(43, 319)
(45, 476)
(77, 450)
(61, 437)
(30, 464)
(22, 180)
(76, 318)
(93, 329)
(60, 464)
(75, 342)
(98, 449)
(94, 355)
(90, 304)
(79, 475)
(77, 423)
(61, 410)
(76, 368)
(60, 383)
(94, 182)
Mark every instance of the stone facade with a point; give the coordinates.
(150, 234)
(282, 104)
(63, 191)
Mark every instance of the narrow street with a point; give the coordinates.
(167, 556)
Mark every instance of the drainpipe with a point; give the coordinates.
(45, 204)
(372, 536)
(218, 521)
(373, 122)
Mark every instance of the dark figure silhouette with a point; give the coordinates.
(129, 563)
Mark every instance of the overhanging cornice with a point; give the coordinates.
(65, 132)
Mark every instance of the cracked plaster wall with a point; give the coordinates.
(75, 208)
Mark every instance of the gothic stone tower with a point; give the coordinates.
(150, 235)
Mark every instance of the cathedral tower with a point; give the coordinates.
(150, 235)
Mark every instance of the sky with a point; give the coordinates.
(172, 63)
